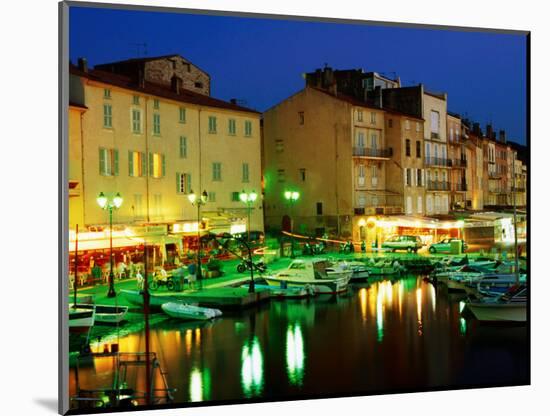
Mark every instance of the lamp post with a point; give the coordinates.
(291, 197)
(110, 205)
(248, 199)
(198, 202)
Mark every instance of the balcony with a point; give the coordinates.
(374, 153)
(437, 161)
(459, 187)
(494, 175)
(459, 163)
(438, 186)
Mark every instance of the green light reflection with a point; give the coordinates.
(463, 326)
(295, 356)
(380, 312)
(199, 385)
(252, 372)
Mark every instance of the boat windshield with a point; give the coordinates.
(297, 266)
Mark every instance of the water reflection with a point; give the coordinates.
(363, 303)
(419, 309)
(295, 356)
(252, 372)
(380, 312)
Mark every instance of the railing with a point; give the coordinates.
(459, 163)
(495, 175)
(459, 187)
(438, 186)
(372, 152)
(437, 161)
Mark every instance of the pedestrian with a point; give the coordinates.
(192, 268)
(139, 279)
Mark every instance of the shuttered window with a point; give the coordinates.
(183, 147)
(108, 162)
(107, 116)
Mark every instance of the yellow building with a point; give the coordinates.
(153, 144)
(335, 151)
(405, 173)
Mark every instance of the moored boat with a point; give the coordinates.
(510, 307)
(189, 312)
(135, 297)
(106, 313)
(316, 273)
(80, 319)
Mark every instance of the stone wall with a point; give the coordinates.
(162, 70)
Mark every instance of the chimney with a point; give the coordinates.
(328, 77)
(477, 130)
(176, 84)
(489, 130)
(502, 136)
(141, 77)
(83, 64)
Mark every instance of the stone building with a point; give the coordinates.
(162, 70)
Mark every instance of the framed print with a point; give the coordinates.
(263, 208)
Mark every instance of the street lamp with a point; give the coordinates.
(248, 199)
(198, 202)
(110, 205)
(291, 197)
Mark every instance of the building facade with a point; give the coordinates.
(154, 144)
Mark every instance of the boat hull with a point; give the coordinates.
(81, 320)
(107, 314)
(321, 286)
(495, 312)
(189, 313)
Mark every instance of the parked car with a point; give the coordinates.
(403, 242)
(444, 246)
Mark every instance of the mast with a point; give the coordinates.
(516, 253)
(75, 266)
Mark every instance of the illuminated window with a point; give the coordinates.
(212, 127)
(156, 124)
(136, 121)
(216, 171)
(108, 162)
(184, 182)
(182, 115)
(248, 128)
(136, 164)
(107, 116)
(157, 165)
(232, 127)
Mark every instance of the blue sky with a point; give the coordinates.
(261, 61)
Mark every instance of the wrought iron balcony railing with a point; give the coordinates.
(438, 186)
(385, 153)
(437, 161)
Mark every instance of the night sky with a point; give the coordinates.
(261, 61)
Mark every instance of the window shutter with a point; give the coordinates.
(115, 164)
(143, 165)
(405, 176)
(101, 162)
(178, 180)
(150, 164)
(130, 164)
(163, 166)
(188, 185)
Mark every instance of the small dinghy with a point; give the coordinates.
(80, 319)
(189, 312)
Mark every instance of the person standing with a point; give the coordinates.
(192, 268)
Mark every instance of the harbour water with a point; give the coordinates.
(389, 335)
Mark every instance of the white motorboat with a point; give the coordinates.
(319, 274)
(359, 270)
(189, 312)
(384, 267)
(106, 314)
(80, 319)
(510, 307)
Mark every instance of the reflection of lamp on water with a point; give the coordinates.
(419, 309)
(252, 372)
(295, 354)
(199, 385)
(363, 303)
